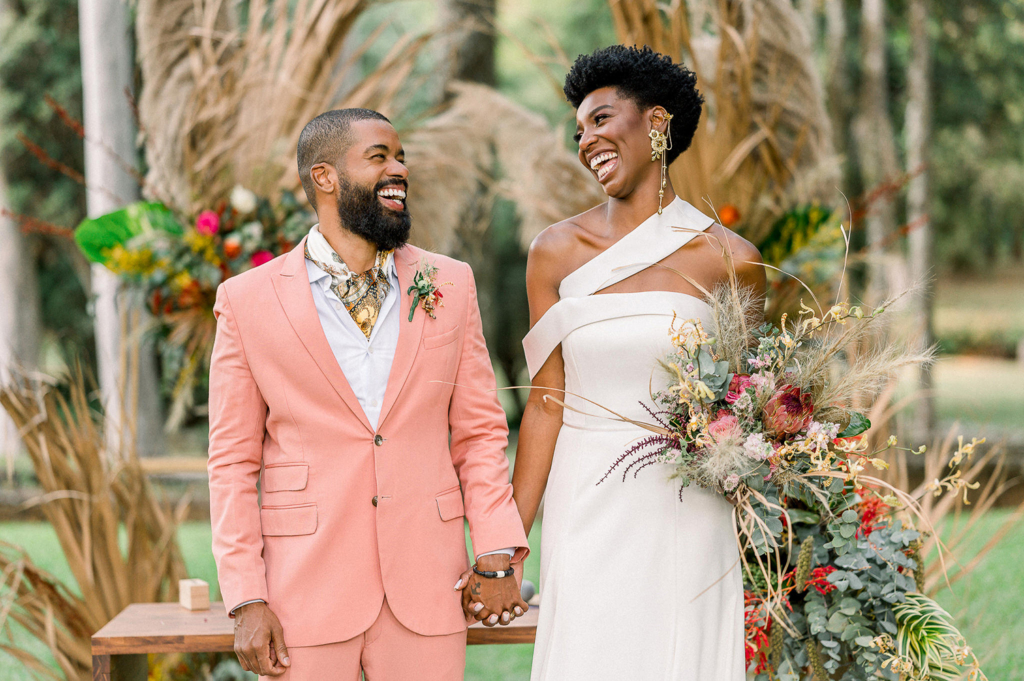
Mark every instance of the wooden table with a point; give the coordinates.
(119, 649)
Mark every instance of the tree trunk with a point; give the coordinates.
(127, 369)
(916, 132)
(19, 308)
(810, 16)
(876, 144)
(468, 49)
(19, 316)
(837, 88)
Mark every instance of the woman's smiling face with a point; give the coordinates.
(614, 141)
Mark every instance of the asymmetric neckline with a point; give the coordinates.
(652, 241)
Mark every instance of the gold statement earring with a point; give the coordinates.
(660, 143)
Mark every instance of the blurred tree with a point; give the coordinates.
(837, 80)
(977, 156)
(127, 364)
(468, 54)
(875, 140)
(916, 139)
(469, 43)
(19, 312)
(39, 56)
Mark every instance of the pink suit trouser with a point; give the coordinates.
(387, 651)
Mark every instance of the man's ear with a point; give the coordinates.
(324, 177)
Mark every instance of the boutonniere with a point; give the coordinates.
(425, 290)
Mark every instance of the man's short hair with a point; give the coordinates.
(325, 139)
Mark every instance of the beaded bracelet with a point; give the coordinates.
(499, 574)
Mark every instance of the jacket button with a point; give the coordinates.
(374, 502)
(378, 440)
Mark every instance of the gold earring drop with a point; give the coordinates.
(661, 143)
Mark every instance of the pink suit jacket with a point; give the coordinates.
(346, 514)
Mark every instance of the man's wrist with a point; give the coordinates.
(494, 562)
(237, 608)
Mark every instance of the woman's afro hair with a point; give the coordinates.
(646, 77)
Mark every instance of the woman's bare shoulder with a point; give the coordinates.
(746, 259)
(555, 251)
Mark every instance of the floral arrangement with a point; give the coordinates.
(767, 416)
(177, 264)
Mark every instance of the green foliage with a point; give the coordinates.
(39, 56)
(859, 423)
(793, 231)
(977, 159)
(96, 236)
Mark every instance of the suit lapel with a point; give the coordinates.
(409, 334)
(292, 287)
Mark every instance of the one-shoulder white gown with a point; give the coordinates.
(636, 581)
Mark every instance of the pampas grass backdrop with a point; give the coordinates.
(120, 542)
(765, 141)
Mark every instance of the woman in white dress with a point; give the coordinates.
(638, 580)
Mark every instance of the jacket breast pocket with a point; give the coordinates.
(449, 504)
(441, 339)
(288, 521)
(285, 477)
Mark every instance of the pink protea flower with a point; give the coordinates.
(725, 427)
(261, 257)
(737, 387)
(788, 411)
(208, 223)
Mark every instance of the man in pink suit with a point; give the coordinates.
(353, 425)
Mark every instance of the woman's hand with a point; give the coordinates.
(491, 601)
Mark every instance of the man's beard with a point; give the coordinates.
(363, 214)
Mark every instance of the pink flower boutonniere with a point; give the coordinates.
(425, 290)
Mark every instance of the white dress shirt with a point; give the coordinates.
(366, 362)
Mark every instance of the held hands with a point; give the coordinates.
(259, 640)
(491, 601)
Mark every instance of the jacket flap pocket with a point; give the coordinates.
(441, 338)
(449, 504)
(288, 521)
(285, 477)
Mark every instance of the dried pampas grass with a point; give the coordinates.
(91, 502)
(765, 141)
(224, 100)
(482, 146)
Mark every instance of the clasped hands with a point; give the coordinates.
(491, 601)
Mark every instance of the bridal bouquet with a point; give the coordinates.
(766, 415)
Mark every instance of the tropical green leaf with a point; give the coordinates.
(96, 236)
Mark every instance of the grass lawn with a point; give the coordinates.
(980, 305)
(981, 391)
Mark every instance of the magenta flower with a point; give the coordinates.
(261, 257)
(788, 411)
(737, 387)
(208, 223)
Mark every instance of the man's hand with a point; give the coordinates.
(259, 640)
(491, 600)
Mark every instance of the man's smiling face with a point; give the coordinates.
(373, 183)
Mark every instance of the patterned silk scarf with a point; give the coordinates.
(363, 294)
